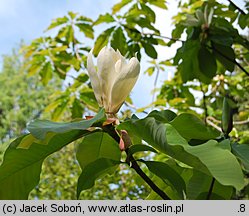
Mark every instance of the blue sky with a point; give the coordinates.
(27, 20)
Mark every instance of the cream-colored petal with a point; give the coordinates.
(125, 81)
(106, 61)
(94, 79)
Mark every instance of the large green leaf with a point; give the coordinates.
(242, 153)
(97, 145)
(199, 186)
(218, 159)
(191, 127)
(21, 167)
(97, 155)
(164, 116)
(190, 67)
(189, 60)
(207, 62)
(140, 148)
(168, 174)
(210, 157)
(94, 171)
(225, 55)
(39, 128)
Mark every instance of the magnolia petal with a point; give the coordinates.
(105, 61)
(94, 79)
(125, 81)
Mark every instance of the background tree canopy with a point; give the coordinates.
(190, 142)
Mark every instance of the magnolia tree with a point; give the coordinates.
(194, 155)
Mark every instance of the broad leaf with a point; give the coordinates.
(189, 60)
(140, 148)
(97, 145)
(225, 55)
(191, 127)
(199, 186)
(94, 171)
(209, 157)
(190, 68)
(164, 116)
(39, 128)
(218, 159)
(166, 188)
(242, 153)
(207, 62)
(21, 167)
(168, 174)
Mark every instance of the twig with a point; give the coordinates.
(139, 171)
(238, 8)
(235, 122)
(231, 60)
(211, 189)
(241, 122)
(134, 165)
(204, 104)
(150, 34)
(213, 125)
(165, 37)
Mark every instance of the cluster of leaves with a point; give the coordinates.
(60, 172)
(128, 30)
(210, 37)
(24, 98)
(210, 53)
(64, 55)
(184, 152)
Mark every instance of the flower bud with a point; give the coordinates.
(114, 78)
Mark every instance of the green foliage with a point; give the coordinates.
(168, 174)
(26, 154)
(194, 125)
(93, 171)
(97, 154)
(165, 138)
(186, 158)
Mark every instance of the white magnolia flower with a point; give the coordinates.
(114, 78)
